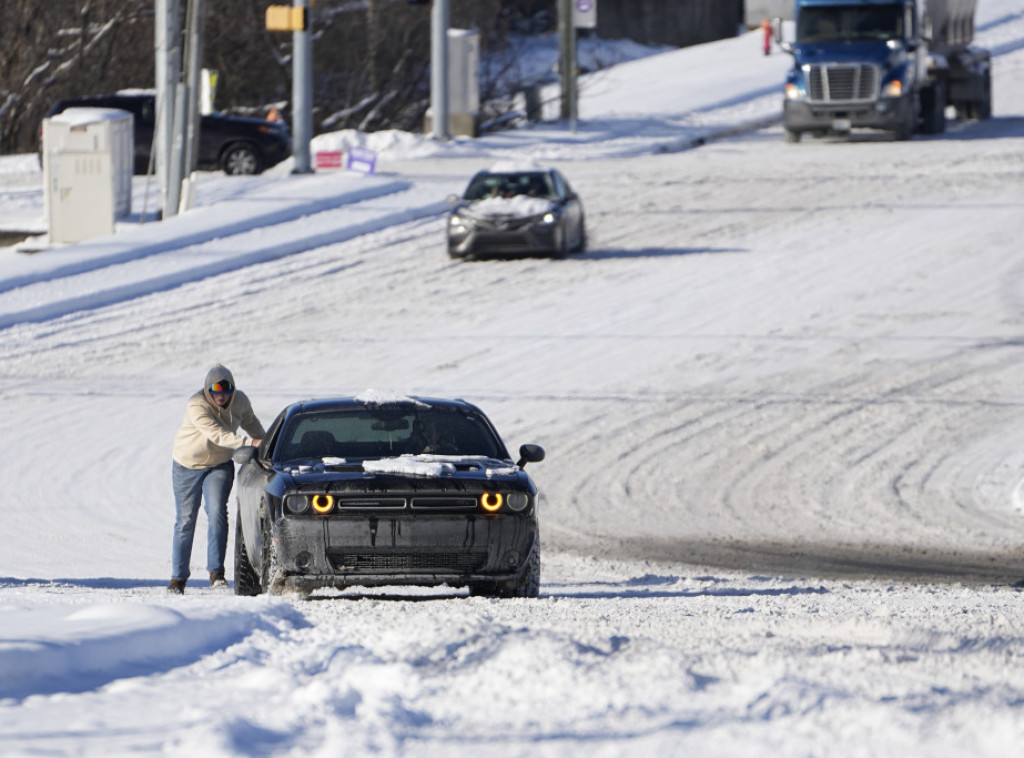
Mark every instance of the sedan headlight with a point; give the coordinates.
(297, 504)
(549, 218)
(459, 223)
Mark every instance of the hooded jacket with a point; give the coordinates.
(208, 435)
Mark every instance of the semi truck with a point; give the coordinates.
(892, 65)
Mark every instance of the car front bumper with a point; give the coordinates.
(529, 238)
(378, 550)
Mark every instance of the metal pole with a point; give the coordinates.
(302, 92)
(194, 57)
(168, 67)
(566, 56)
(440, 20)
(573, 68)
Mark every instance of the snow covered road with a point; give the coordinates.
(782, 505)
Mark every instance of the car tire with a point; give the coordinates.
(247, 581)
(581, 245)
(526, 584)
(269, 579)
(240, 159)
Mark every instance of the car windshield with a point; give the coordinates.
(881, 22)
(529, 183)
(386, 431)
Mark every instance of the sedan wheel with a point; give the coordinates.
(241, 160)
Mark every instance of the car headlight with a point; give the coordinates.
(491, 501)
(322, 504)
(459, 223)
(549, 218)
(517, 501)
(297, 504)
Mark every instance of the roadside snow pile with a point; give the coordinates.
(46, 648)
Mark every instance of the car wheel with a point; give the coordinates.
(581, 245)
(241, 160)
(247, 581)
(525, 585)
(269, 579)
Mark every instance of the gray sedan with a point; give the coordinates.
(506, 213)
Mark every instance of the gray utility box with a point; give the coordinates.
(463, 85)
(87, 172)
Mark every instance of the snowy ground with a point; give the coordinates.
(781, 397)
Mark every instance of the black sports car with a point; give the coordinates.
(516, 211)
(379, 490)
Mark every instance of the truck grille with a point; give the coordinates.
(840, 83)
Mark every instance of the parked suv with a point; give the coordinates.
(233, 144)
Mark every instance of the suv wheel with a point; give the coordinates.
(241, 160)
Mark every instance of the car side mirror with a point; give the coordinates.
(530, 454)
(244, 454)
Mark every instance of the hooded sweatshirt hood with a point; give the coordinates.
(218, 373)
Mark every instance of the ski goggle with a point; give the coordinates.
(222, 387)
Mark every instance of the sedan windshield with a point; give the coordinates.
(528, 183)
(387, 432)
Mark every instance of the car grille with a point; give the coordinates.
(370, 502)
(410, 561)
(503, 223)
(444, 502)
(840, 83)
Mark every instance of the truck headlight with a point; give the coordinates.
(792, 91)
(893, 89)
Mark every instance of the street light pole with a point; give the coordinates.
(440, 19)
(302, 91)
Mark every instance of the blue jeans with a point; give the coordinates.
(191, 486)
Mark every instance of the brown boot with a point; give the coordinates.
(176, 587)
(217, 580)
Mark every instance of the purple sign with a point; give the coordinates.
(361, 159)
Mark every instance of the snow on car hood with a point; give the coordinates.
(433, 465)
(520, 206)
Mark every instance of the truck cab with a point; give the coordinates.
(892, 65)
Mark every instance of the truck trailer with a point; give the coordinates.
(893, 65)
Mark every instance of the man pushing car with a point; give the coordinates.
(202, 470)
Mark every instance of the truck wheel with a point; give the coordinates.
(984, 108)
(933, 109)
(906, 130)
(793, 136)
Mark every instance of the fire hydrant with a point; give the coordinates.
(766, 27)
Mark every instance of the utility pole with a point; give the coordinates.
(302, 90)
(567, 60)
(168, 68)
(193, 64)
(440, 19)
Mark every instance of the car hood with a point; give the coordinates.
(520, 206)
(417, 469)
